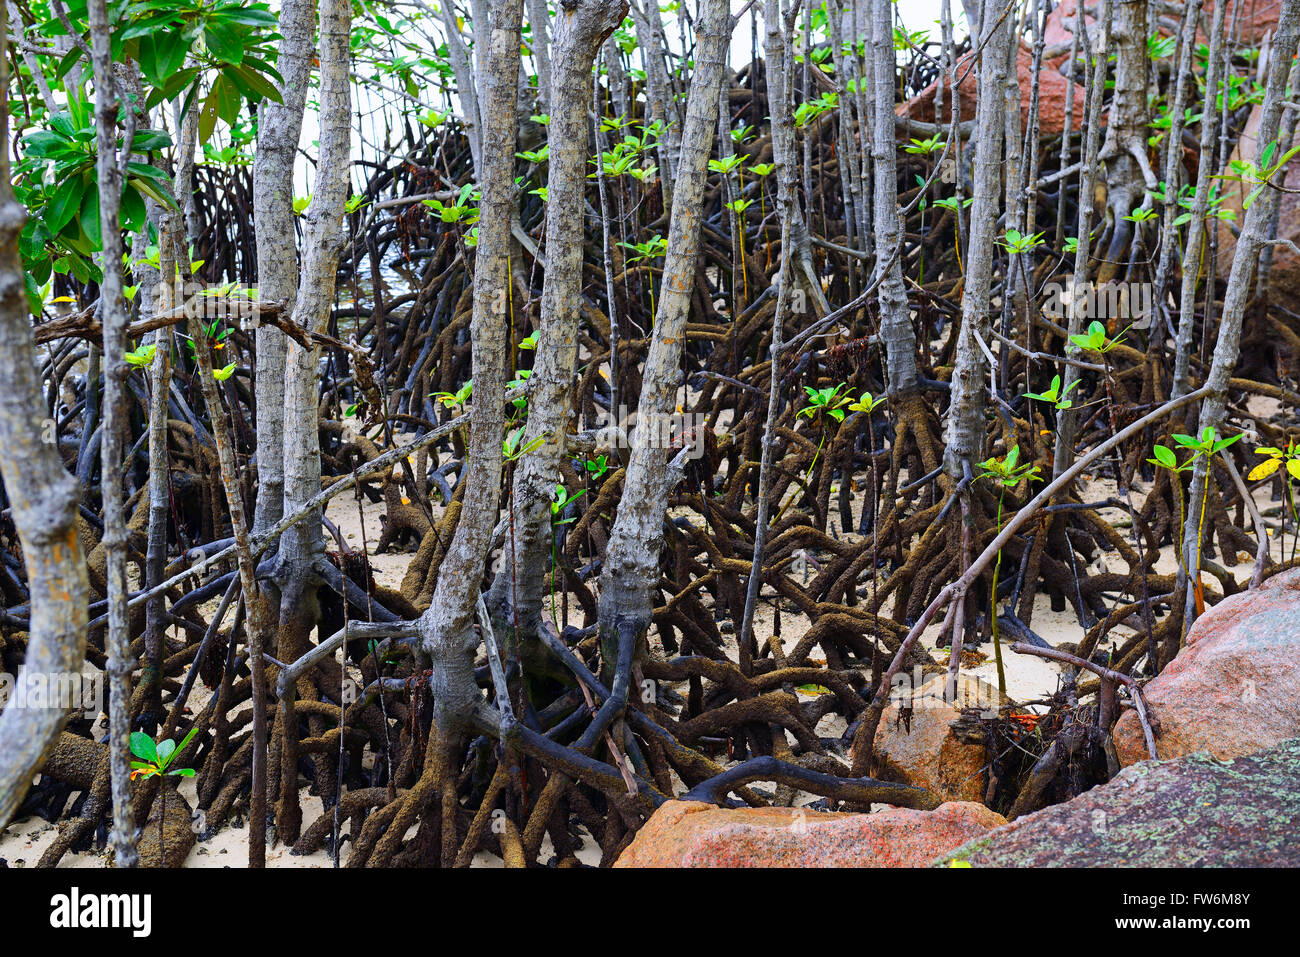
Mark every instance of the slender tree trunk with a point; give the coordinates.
(1068, 420)
(43, 501)
(113, 319)
(1194, 252)
(631, 569)
(279, 129)
(302, 546)
(896, 330)
(779, 89)
(965, 427)
(517, 590)
(539, 21)
(1254, 233)
(466, 87)
(446, 629)
(1124, 151)
(303, 543)
(660, 104)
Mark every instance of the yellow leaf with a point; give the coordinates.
(1264, 469)
(1293, 466)
(959, 863)
(814, 689)
(63, 299)
(405, 500)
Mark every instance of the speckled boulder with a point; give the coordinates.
(1235, 688)
(691, 834)
(1193, 811)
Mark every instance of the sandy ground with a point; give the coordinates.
(1029, 679)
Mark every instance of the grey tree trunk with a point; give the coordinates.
(43, 500)
(466, 87)
(279, 128)
(631, 568)
(965, 428)
(303, 543)
(660, 102)
(302, 546)
(1067, 423)
(539, 21)
(778, 29)
(1124, 151)
(896, 331)
(1254, 233)
(1194, 250)
(446, 629)
(109, 173)
(579, 31)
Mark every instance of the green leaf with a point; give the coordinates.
(165, 750)
(256, 84)
(65, 203)
(142, 746)
(1165, 456)
(187, 739)
(223, 42)
(90, 218)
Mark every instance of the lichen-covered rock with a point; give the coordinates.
(1235, 688)
(925, 751)
(692, 834)
(1193, 811)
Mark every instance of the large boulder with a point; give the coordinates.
(692, 834)
(1257, 20)
(1051, 96)
(1193, 811)
(1235, 687)
(926, 750)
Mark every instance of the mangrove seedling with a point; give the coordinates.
(1007, 473)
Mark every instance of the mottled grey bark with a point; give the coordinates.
(109, 172)
(279, 127)
(1194, 250)
(43, 501)
(1173, 156)
(631, 569)
(896, 331)
(1250, 243)
(778, 28)
(466, 87)
(579, 30)
(157, 294)
(29, 58)
(446, 628)
(1124, 151)
(539, 21)
(303, 543)
(1068, 420)
(661, 103)
(965, 428)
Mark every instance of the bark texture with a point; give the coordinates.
(43, 499)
